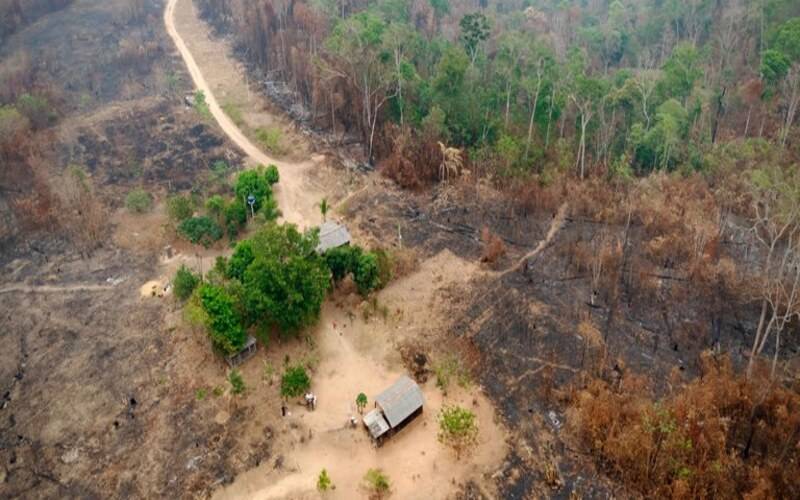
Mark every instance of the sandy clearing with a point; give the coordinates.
(361, 356)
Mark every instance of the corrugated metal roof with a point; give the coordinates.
(376, 423)
(400, 400)
(332, 235)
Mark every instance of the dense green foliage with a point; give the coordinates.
(285, 282)
(184, 283)
(361, 401)
(202, 229)
(370, 270)
(273, 281)
(224, 322)
(541, 87)
(295, 382)
(258, 183)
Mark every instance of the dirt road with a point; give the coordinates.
(291, 193)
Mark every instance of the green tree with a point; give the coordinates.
(295, 382)
(184, 283)
(342, 260)
(224, 323)
(241, 259)
(357, 42)
(361, 402)
(257, 182)
(235, 217)
(366, 273)
(236, 381)
(203, 230)
(286, 281)
(680, 72)
(474, 31)
(458, 428)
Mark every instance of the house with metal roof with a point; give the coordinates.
(394, 408)
(332, 235)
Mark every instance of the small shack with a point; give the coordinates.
(332, 235)
(394, 408)
(248, 350)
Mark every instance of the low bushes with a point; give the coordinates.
(203, 230)
(139, 201)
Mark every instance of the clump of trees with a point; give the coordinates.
(226, 215)
(273, 282)
(370, 270)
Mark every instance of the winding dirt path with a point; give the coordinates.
(290, 192)
(555, 227)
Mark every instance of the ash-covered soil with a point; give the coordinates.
(524, 323)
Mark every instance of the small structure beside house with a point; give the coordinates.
(394, 408)
(248, 350)
(332, 235)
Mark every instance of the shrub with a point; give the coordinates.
(179, 208)
(235, 217)
(271, 175)
(236, 381)
(202, 230)
(258, 183)
(366, 274)
(138, 201)
(377, 482)
(295, 382)
(324, 482)
(342, 260)
(449, 368)
(215, 205)
(271, 139)
(184, 283)
(458, 428)
(361, 402)
(200, 104)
